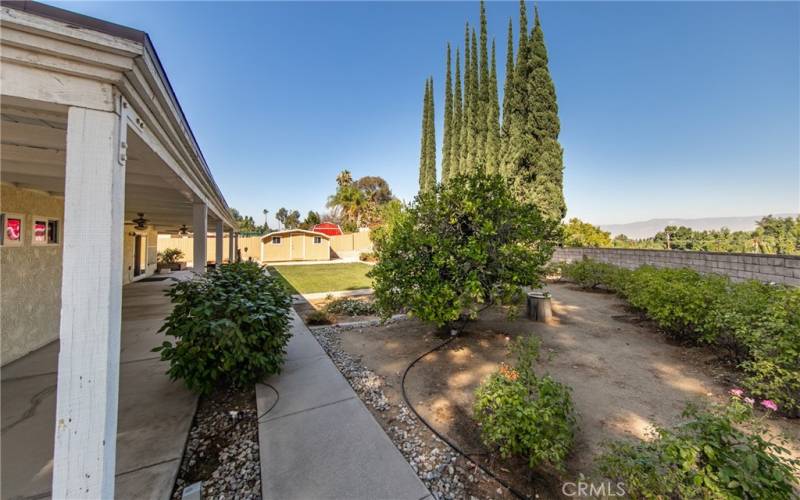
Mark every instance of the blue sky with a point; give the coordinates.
(668, 109)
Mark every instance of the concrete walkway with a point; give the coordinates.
(335, 294)
(318, 440)
(154, 414)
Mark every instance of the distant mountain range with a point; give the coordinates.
(649, 228)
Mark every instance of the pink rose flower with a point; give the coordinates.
(769, 404)
(736, 392)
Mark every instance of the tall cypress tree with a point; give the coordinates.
(430, 142)
(548, 157)
(509, 78)
(484, 61)
(523, 30)
(492, 120)
(517, 146)
(423, 148)
(474, 144)
(455, 146)
(466, 115)
(484, 90)
(447, 143)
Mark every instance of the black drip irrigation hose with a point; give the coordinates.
(274, 403)
(442, 437)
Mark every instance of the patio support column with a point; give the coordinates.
(91, 302)
(200, 227)
(219, 236)
(231, 246)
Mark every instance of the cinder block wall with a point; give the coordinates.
(739, 266)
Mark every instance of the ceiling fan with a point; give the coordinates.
(140, 221)
(183, 231)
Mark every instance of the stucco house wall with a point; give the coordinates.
(30, 276)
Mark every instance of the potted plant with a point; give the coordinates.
(171, 260)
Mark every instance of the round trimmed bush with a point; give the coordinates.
(230, 325)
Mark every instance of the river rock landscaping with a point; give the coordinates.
(222, 450)
(443, 471)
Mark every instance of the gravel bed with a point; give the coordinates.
(222, 450)
(445, 473)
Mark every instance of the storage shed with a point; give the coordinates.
(295, 244)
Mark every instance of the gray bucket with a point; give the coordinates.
(539, 308)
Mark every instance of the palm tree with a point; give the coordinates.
(266, 226)
(345, 178)
(352, 201)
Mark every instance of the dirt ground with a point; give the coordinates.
(626, 377)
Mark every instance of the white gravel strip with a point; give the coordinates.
(440, 468)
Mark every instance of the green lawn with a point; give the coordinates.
(323, 277)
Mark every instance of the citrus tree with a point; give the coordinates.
(458, 247)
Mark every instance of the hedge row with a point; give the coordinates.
(755, 325)
(712, 453)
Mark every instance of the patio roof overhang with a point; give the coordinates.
(88, 114)
(54, 59)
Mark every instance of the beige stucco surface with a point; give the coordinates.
(277, 252)
(186, 245)
(295, 246)
(30, 277)
(250, 247)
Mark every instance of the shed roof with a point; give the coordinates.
(328, 228)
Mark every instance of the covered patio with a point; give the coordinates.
(97, 159)
(154, 414)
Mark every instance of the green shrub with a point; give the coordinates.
(350, 307)
(713, 453)
(318, 317)
(170, 256)
(680, 301)
(591, 274)
(735, 314)
(525, 415)
(466, 244)
(229, 325)
(758, 325)
(773, 367)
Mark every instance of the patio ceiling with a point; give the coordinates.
(33, 155)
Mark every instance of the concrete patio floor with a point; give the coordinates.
(154, 414)
(317, 440)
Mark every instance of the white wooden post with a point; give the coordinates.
(231, 246)
(200, 227)
(91, 301)
(220, 234)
